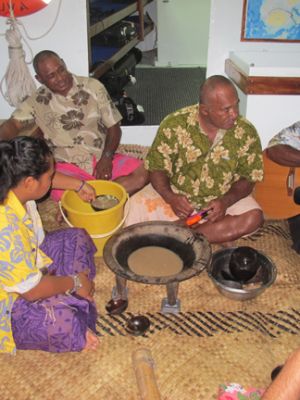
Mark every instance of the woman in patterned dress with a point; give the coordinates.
(46, 282)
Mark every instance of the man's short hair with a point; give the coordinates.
(41, 56)
(210, 84)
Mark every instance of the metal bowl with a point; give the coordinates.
(219, 272)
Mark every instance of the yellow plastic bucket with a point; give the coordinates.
(100, 225)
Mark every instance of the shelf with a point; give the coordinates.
(108, 64)
(105, 23)
(100, 66)
(105, 66)
(262, 85)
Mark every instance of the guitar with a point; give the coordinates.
(275, 194)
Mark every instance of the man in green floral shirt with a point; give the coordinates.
(204, 157)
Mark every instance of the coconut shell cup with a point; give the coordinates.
(244, 263)
(104, 202)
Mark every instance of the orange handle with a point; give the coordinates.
(193, 219)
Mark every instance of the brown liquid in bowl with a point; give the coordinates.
(154, 261)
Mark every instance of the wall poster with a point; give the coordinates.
(271, 20)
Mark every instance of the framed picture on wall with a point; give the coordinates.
(271, 21)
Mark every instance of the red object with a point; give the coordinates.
(21, 7)
(193, 219)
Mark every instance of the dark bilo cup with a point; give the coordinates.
(244, 263)
(276, 371)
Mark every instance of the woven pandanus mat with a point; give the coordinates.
(213, 339)
(133, 150)
(185, 367)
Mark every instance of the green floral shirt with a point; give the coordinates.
(198, 169)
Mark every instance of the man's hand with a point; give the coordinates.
(180, 205)
(238, 190)
(103, 168)
(217, 210)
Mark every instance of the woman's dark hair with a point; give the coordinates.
(21, 157)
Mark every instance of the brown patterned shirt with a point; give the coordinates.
(75, 125)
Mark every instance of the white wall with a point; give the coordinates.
(268, 113)
(182, 38)
(225, 33)
(142, 135)
(68, 38)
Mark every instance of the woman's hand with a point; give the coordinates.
(88, 287)
(87, 192)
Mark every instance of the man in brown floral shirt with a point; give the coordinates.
(204, 157)
(76, 116)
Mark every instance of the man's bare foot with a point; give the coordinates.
(92, 341)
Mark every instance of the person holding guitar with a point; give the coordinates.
(284, 151)
(279, 192)
(284, 148)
